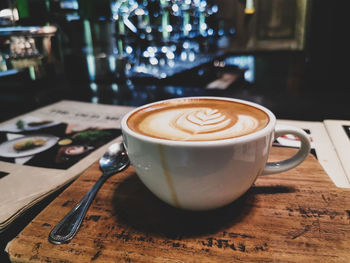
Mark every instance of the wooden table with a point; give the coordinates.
(295, 216)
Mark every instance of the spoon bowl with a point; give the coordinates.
(114, 160)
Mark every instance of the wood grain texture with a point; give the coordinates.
(295, 216)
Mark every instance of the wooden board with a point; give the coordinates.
(295, 216)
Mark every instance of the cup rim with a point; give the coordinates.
(248, 137)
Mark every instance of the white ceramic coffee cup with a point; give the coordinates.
(203, 175)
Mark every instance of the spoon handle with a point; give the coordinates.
(66, 229)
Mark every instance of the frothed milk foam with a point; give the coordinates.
(197, 120)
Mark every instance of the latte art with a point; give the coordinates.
(202, 121)
(198, 120)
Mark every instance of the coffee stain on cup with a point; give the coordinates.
(167, 175)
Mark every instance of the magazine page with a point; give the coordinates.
(339, 132)
(45, 149)
(321, 147)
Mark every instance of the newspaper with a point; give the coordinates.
(326, 145)
(43, 150)
(339, 132)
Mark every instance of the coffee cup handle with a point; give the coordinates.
(281, 166)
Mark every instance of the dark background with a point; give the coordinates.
(303, 85)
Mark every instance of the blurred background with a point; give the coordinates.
(287, 55)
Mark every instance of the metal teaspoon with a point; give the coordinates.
(112, 162)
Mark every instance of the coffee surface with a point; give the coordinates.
(197, 120)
